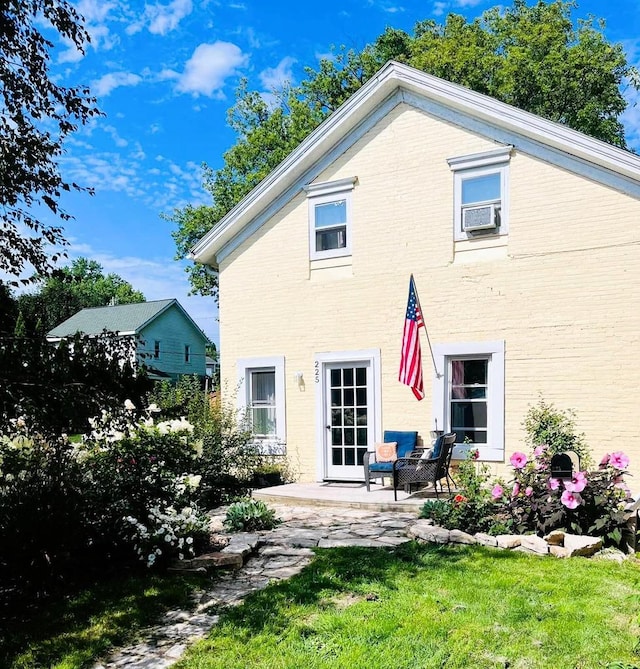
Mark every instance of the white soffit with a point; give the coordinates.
(354, 111)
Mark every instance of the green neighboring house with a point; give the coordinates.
(168, 341)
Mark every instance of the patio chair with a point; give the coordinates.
(422, 467)
(405, 444)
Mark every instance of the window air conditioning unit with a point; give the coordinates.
(479, 218)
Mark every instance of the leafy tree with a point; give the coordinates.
(36, 115)
(534, 57)
(78, 286)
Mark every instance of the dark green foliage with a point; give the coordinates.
(60, 387)
(37, 115)
(250, 515)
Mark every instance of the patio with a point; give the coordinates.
(342, 493)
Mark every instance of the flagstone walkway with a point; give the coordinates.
(275, 555)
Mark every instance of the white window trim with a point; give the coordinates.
(276, 362)
(475, 165)
(323, 193)
(494, 352)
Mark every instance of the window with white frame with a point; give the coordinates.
(481, 193)
(262, 394)
(330, 225)
(469, 396)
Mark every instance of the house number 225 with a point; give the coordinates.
(317, 371)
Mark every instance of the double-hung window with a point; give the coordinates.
(262, 395)
(330, 228)
(469, 396)
(481, 192)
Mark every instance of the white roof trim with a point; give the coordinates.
(356, 109)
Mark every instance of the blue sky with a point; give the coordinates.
(165, 74)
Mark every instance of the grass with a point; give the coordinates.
(426, 607)
(75, 630)
(413, 607)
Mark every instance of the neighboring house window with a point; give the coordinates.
(156, 349)
(263, 396)
(469, 396)
(481, 194)
(187, 353)
(330, 219)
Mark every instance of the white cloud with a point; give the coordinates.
(162, 19)
(118, 141)
(439, 8)
(108, 82)
(208, 68)
(274, 78)
(94, 11)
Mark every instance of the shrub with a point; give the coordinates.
(250, 515)
(556, 430)
(41, 508)
(137, 472)
(471, 510)
(590, 503)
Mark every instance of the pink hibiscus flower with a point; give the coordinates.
(577, 484)
(619, 460)
(571, 499)
(516, 490)
(605, 460)
(518, 460)
(497, 491)
(528, 491)
(538, 451)
(553, 484)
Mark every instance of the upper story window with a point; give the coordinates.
(187, 353)
(481, 193)
(330, 225)
(156, 349)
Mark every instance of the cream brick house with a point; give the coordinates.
(524, 240)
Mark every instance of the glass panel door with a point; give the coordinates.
(349, 424)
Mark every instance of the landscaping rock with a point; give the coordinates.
(508, 540)
(217, 560)
(559, 551)
(534, 544)
(613, 554)
(460, 537)
(429, 533)
(555, 538)
(485, 539)
(582, 545)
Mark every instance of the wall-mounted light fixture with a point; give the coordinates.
(299, 379)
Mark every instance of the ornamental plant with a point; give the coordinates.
(591, 502)
(137, 473)
(472, 509)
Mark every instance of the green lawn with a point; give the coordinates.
(75, 630)
(416, 606)
(426, 606)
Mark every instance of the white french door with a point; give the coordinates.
(349, 415)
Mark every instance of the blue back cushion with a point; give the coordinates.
(406, 441)
(437, 447)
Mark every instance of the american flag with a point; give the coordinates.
(411, 356)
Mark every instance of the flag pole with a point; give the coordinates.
(426, 333)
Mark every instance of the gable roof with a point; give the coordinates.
(125, 319)
(394, 84)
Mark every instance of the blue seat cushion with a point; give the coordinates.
(381, 467)
(406, 441)
(437, 447)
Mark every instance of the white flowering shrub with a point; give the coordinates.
(167, 533)
(138, 471)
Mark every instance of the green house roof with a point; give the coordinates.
(123, 318)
